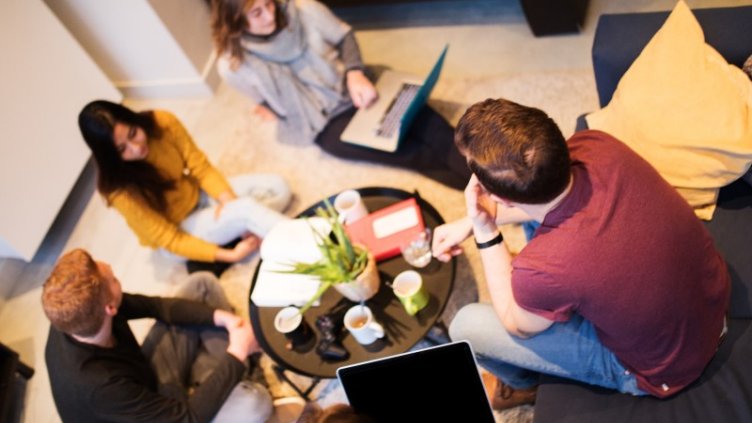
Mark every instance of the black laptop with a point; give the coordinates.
(437, 384)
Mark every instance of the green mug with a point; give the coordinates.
(408, 287)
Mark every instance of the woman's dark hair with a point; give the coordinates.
(97, 121)
(229, 24)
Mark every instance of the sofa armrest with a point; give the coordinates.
(620, 38)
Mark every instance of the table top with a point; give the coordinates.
(402, 330)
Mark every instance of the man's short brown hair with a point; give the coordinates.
(518, 153)
(75, 295)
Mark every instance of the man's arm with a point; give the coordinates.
(174, 311)
(117, 396)
(447, 237)
(122, 399)
(497, 265)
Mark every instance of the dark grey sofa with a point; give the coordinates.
(724, 391)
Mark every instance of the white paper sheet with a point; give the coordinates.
(288, 242)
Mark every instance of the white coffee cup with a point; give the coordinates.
(361, 324)
(290, 323)
(350, 206)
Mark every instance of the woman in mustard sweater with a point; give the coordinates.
(150, 170)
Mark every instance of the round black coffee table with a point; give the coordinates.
(402, 330)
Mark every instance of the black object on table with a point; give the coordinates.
(402, 331)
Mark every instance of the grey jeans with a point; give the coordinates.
(184, 357)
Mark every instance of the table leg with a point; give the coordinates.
(280, 372)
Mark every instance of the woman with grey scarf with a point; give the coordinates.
(300, 64)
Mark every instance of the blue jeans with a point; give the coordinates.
(569, 350)
(529, 227)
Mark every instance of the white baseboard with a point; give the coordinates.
(204, 85)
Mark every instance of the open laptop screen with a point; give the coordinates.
(435, 384)
(422, 96)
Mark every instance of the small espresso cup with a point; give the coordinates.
(350, 206)
(290, 323)
(408, 287)
(361, 324)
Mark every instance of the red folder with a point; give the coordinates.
(383, 231)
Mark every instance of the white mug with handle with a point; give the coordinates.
(361, 324)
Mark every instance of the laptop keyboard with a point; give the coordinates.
(391, 120)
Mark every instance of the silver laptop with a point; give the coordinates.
(385, 123)
(437, 384)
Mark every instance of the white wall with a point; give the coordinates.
(148, 48)
(45, 80)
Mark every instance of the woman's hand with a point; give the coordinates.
(265, 113)
(362, 92)
(243, 249)
(447, 237)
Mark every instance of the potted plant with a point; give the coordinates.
(349, 268)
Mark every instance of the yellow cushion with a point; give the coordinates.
(684, 109)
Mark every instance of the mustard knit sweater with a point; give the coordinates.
(176, 157)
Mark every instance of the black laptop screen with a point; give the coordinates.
(435, 384)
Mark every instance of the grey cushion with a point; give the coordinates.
(731, 228)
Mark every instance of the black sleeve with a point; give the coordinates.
(349, 52)
(121, 399)
(174, 311)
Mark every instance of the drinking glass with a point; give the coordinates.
(417, 250)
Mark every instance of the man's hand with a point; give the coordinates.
(226, 319)
(481, 209)
(242, 340)
(362, 92)
(265, 113)
(446, 238)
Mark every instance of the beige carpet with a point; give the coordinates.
(251, 146)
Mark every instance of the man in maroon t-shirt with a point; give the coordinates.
(621, 287)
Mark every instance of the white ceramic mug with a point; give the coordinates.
(350, 206)
(290, 323)
(361, 324)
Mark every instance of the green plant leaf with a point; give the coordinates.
(322, 288)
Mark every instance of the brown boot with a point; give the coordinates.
(502, 396)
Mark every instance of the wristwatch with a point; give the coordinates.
(496, 240)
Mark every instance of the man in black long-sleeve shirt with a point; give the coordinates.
(99, 373)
